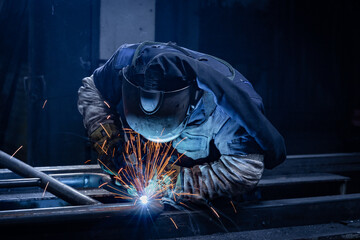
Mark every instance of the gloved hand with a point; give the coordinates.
(228, 176)
(105, 137)
(167, 182)
(181, 189)
(109, 143)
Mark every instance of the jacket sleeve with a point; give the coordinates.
(238, 164)
(235, 102)
(92, 106)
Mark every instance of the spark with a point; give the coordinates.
(105, 166)
(47, 184)
(113, 154)
(144, 175)
(16, 152)
(87, 161)
(44, 104)
(105, 130)
(174, 223)
(108, 117)
(102, 149)
(122, 197)
(232, 204)
(103, 184)
(107, 104)
(103, 145)
(162, 132)
(184, 204)
(188, 194)
(215, 212)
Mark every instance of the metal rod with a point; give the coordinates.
(13, 183)
(54, 186)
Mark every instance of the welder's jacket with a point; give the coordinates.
(227, 128)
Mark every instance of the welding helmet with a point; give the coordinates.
(158, 109)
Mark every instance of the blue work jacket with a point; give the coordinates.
(217, 126)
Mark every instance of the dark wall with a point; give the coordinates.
(63, 49)
(301, 56)
(13, 67)
(47, 47)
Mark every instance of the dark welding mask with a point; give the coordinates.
(157, 108)
(159, 116)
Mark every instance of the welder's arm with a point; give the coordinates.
(92, 106)
(98, 117)
(237, 104)
(229, 176)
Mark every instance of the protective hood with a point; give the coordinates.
(159, 116)
(157, 104)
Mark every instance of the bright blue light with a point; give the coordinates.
(144, 199)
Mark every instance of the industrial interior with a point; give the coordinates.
(300, 57)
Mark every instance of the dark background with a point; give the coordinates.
(301, 56)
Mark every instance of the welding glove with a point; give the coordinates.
(176, 168)
(228, 177)
(105, 137)
(109, 143)
(99, 118)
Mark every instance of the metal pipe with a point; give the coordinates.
(13, 183)
(54, 186)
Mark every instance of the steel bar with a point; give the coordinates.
(13, 183)
(88, 168)
(105, 221)
(123, 211)
(82, 180)
(75, 180)
(54, 186)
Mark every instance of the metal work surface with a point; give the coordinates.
(265, 214)
(278, 208)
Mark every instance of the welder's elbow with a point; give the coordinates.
(253, 177)
(251, 181)
(249, 169)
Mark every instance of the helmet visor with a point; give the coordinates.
(159, 116)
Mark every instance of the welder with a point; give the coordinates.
(205, 108)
